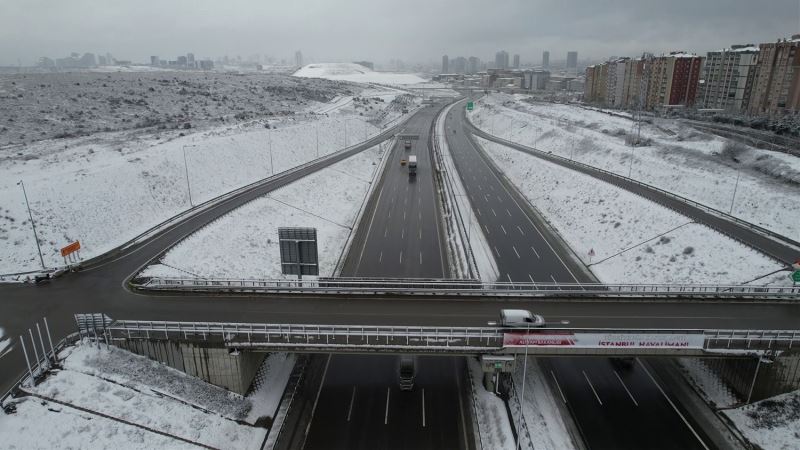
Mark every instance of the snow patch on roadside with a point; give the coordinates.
(244, 243)
(770, 424)
(593, 215)
(275, 370)
(541, 413)
(495, 430)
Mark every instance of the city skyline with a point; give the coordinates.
(30, 30)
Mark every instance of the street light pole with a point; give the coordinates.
(345, 133)
(33, 224)
(524, 374)
(316, 129)
(271, 164)
(735, 187)
(186, 169)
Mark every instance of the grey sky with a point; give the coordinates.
(412, 30)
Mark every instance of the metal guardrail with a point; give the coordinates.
(761, 230)
(358, 286)
(459, 340)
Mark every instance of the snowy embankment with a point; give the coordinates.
(541, 413)
(770, 424)
(494, 429)
(111, 398)
(699, 166)
(104, 192)
(355, 73)
(244, 243)
(274, 372)
(633, 239)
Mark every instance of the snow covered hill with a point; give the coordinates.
(355, 73)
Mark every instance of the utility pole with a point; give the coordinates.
(271, 164)
(186, 169)
(524, 374)
(735, 187)
(345, 133)
(316, 129)
(33, 224)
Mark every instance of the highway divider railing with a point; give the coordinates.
(494, 339)
(459, 287)
(761, 230)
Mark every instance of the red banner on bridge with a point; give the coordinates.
(602, 340)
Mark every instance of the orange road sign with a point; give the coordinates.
(73, 247)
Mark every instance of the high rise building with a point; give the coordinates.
(516, 61)
(501, 60)
(473, 64)
(459, 65)
(572, 62)
(154, 61)
(545, 60)
(636, 82)
(674, 80)
(298, 58)
(728, 78)
(596, 84)
(445, 64)
(190, 59)
(777, 86)
(615, 82)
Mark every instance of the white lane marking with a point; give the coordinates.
(486, 228)
(404, 215)
(479, 212)
(369, 228)
(386, 232)
(403, 233)
(386, 415)
(504, 230)
(508, 212)
(535, 252)
(420, 232)
(352, 399)
(420, 258)
(686, 422)
(480, 188)
(491, 187)
(495, 214)
(554, 280)
(520, 230)
(563, 398)
(591, 386)
(401, 257)
(495, 250)
(380, 257)
(529, 276)
(515, 251)
(499, 200)
(626, 389)
(509, 278)
(319, 391)
(423, 407)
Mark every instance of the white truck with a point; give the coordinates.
(412, 165)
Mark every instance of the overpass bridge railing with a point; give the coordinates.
(458, 340)
(462, 287)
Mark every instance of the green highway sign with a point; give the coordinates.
(795, 276)
(470, 106)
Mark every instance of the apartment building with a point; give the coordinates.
(728, 78)
(776, 89)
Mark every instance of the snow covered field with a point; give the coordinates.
(664, 246)
(679, 159)
(106, 398)
(106, 190)
(244, 243)
(771, 424)
(355, 73)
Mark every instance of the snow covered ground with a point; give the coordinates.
(539, 408)
(276, 369)
(355, 73)
(108, 398)
(495, 431)
(244, 243)
(770, 424)
(593, 215)
(105, 190)
(695, 165)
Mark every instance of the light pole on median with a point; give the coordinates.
(524, 374)
(186, 169)
(33, 224)
(271, 163)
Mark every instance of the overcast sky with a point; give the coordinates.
(379, 30)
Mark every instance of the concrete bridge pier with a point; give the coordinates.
(755, 379)
(231, 370)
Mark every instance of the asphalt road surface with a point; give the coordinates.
(612, 409)
(360, 403)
